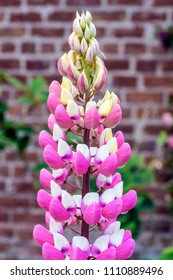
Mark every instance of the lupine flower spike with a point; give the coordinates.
(97, 152)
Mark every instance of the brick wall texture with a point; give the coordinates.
(33, 35)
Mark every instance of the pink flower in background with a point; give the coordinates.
(95, 152)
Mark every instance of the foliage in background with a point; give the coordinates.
(18, 135)
(167, 254)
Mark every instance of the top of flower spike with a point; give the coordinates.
(82, 38)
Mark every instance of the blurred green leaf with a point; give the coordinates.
(167, 254)
(14, 81)
(144, 202)
(162, 138)
(70, 137)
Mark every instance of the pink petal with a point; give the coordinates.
(53, 101)
(47, 218)
(127, 235)
(92, 214)
(58, 211)
(49, 252)
(129, 201)
(61, 67)
(108, 254)
(77, 254)
(123, 154)
(92, 118)
(42, 235)
(125, 250)
(82, 83)
(45, 178)
(55, 87)
(112, 209)
(113, 117)
(120, 138)
(51, 121)
(109, 165)
(52, 158)
(45, 138)
(44, 199)
(62, 117)
(79, 163)
(116, 179)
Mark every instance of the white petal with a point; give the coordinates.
(102, 242)
(57, 173)
(55, 227)
(55, 189)
(113, 227)
(118, 189)
(67, 200)
(102, 153)
(107, 196)
(78, 199)
(112, 145)
(89, 105)
(117, 237)
(80, 242)
(84, 150)
(63, 148)
(72, 108)
(90, 198)
(60, 241)
(57, 132)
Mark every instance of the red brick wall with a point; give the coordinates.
(33, 35)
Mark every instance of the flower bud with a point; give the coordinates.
(82, 83)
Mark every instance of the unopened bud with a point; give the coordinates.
(87, 33)
(89, 55)
(77, 28)
(83, 83)
(84, 45)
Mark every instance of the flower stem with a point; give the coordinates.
(85, 186)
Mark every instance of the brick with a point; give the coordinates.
(135, 48)
(140, 97)
(153, 129)
(6, 3)
(61, 16)
(48, 48)
(43, 2)
(37, 64)
(15, 110)
(9, 63)
(147, 146)
(158, 82)
(148, 16)
(109, 16)
(117, 64)
(24, 187)
(146, 65)
(128, 32)
(13, 201)
(126, 129)
(163, 3)
(28, 47)
(48, 32)
(168, 65)
(1, 16)
(124, 81)
(110, 48)
(3, 215)
(31, 218)
(25, 17)
(19, 171)
(12, 32)
(8, 47)
(83, 2)
(125, 2)
(3, 171)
